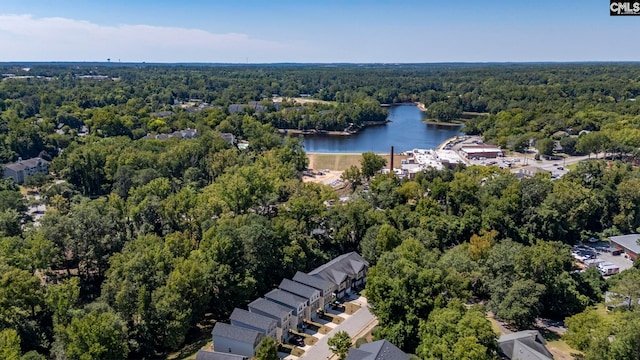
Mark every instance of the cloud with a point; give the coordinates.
(25, 38)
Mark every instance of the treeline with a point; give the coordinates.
(526, 101)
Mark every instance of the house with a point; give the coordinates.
(162, 114)
(254, 321)
(347, 271)
(228, 138)
(282, 314)
(524, 345)
(235, 340)
(215, 355)
(326, 288)
(377, 350)
(22, 169)
(298, 304)
(627, 243)
(529, 171)
(310, 294)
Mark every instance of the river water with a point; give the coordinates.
(406, 131)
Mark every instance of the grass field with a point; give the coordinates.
(342, 161)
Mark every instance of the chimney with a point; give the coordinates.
(391, 162)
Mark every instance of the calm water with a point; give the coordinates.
(406, 131)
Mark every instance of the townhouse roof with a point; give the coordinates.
(315, 281)
(297, 289)
(236, 333)
(285, 298)
(252, 319)
(269, 307)
(336, 270)
(215, 355)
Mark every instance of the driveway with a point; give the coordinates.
(354, 325)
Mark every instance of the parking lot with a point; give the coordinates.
(601, 252)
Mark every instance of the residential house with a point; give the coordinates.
(254, 321)
(22, 169)
(524, 345)
(215, 355)
(529, 171)
(347, 271)
(312, 295)
(299, 304)
(377, 350)
(282, 314)
(326, 288)
(235, 340)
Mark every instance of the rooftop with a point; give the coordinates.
(524, 345)
(215, 355)
(377, 350)
(252, 319)
(269, 307)
(629, 242)
(285, 298)
(297, 288)
(314, 281)
(337, 269)
(235, 333)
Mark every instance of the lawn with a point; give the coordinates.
(340, 162)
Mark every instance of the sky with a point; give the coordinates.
(311, 31)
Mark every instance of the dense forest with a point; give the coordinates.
(144, 239)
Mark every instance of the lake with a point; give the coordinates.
(406, 131)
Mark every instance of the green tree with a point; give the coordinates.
(457, 333)
(521, 305)
(95, 335)
(9, 344)
(545, 146)
(340, 343)
(267, 349)
(371, 163)
(352, 175)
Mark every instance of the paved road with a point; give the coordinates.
(353, 325)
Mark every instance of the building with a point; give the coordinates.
(215, 355)
(478, 151)
(253, 321)
(529, 171)
(312, 295)
(22, 169)
(298, 304)
(524, 345)
(327, 288)
(628, 244)
(377, 350)
(235, 340)
(347, 271)
(282, 314)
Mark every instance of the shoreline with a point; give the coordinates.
(345, 132)
(441, 123)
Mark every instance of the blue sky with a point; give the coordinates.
(325, 31)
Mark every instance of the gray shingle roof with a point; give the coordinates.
(215, 355)
(629, 242)
(285, 298)
(314, 281)
(269, 307)
(297, 288)
(236, 333)
(524, 345)
(252, 319)
(377, 350)
(339, 268)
